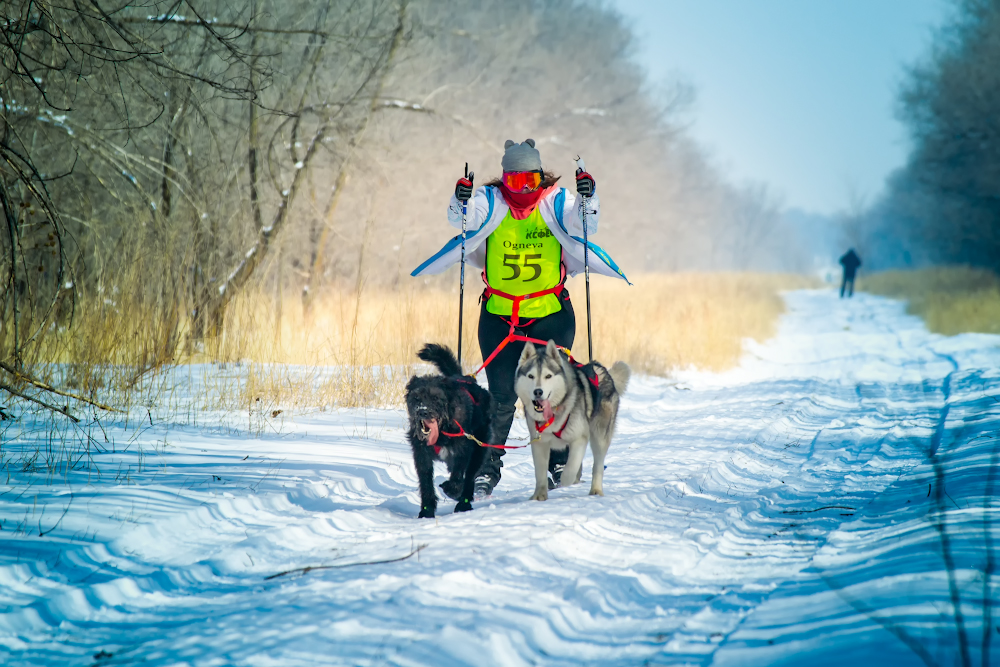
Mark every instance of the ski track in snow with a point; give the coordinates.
(794, 509)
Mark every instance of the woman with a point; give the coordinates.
(525, 233)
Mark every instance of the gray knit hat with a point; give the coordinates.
(521, 157)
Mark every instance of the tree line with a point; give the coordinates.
(158, 157)
(943, 206)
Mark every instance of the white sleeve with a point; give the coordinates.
(572, 217)
(477, 209)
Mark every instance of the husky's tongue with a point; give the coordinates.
(432, 427)
(547, 410)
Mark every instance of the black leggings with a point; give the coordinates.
(500, 374)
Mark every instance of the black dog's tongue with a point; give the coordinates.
(432, 431)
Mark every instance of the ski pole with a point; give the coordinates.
(580, 168)
(461, 280)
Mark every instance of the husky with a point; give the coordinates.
(566, 404)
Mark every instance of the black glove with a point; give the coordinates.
(463, 189)
(585, 185)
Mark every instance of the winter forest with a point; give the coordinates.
(211, 213)
(176, 155)
(941, 207)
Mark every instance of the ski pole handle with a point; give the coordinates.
(469, 175)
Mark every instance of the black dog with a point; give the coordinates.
(442, 409)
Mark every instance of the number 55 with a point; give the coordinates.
(515, 269)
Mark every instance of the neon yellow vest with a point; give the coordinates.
(522, 257)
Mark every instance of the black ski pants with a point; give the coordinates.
(847, 284)
(502, 371)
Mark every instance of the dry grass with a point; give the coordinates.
(357, 346)
(354, 351)
(351, 349)
(107, 350)
(670, 321)
(950, 299)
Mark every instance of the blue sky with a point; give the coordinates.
(800, 94)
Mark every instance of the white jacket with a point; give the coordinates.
(561, 212)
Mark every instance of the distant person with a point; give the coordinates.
(850, 261)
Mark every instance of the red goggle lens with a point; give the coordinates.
(521, 181)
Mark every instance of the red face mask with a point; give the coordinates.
(522, 204)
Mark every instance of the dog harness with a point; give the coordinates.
(461, 433)
(515, 316)
(515, 323)
(587, 369)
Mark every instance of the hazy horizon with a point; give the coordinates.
(800, 96)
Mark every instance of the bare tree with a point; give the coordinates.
(947, 199)
(55, 62)
(128, 168)
(156, 154)
(751, 235)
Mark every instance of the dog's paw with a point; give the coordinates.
(426, 513)
(541, 494)
(452, 490)
(596, 492)
(464, 505)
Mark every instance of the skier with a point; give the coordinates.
(850, 261)
(525, 234)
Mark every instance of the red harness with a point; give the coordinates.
(515, 323)
(461, 433)
(515, 315)
(541, 428)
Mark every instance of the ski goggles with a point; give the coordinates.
(522, 181)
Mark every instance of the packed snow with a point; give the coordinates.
(827, 502)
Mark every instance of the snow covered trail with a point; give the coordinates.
(828, 500)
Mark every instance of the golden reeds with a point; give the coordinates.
(950, 299)
(356, 345)
(356, 349)
(670, 321)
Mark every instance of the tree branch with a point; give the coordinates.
(306, 570)
(41, 385)
(53, 408)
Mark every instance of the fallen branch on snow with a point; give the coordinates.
(304, 570)
(819, 509)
